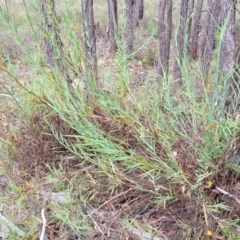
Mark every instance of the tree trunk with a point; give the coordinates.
(138, 11)
(208, 35)
(195, 29)
(90, 41)
(181, 44)
(129, 24)
(189, 23)
(189, 15)
(228, 54)
(112, 24)
(165, 32)
(51, 42)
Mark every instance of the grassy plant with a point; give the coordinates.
(143, 150)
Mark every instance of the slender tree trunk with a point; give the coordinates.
(141, 10)
(228, 54)
(205, 28)
(181, 44)
(189, 22)
(51, 42)
(129, 24)
(90, 41)
(112, 24)
(165, 33)
(232, 154)
(189, 15)
(208, 35)
(195, 29)
(138, 11)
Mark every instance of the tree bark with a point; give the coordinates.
(90, 41)
(138, 11)
(165, 33)
(189, 15)
(208, 35)
(51, 42)
(112, 24)
(228, 54)
(195, 29)
(181, 44)
(129, 24)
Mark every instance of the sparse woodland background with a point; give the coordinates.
(200, 25)
(120, 119)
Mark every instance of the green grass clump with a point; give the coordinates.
(127, 149)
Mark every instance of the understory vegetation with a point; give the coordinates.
(126, 160)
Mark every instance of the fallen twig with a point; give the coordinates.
(227, 194)
(111, 199)
(44, 223)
